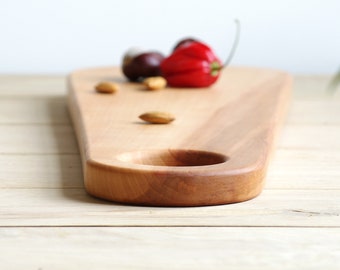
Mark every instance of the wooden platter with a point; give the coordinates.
(215, 152)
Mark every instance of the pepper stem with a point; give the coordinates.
(235, 44)
(215, 68)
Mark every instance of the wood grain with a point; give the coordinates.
(170, 248)
(37, 110)
(20, 86)
(73, 207)
(216, 152)
(294, 224)
(41, 171)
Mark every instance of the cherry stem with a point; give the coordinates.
(235, 44)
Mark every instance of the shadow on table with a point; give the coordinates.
(67, 152)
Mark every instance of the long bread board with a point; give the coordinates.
(215, 152)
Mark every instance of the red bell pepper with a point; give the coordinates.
(192, 64)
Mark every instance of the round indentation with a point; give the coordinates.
(173, 157)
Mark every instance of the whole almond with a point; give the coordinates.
(107, 87)
(155, 83)
(157, 117)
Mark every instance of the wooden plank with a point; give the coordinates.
(32, 85)
(41, 171)
(73, 207)
(37, 139)
(170, 248)
(318, 137)
(48, 110)
(304, 169)
(321, 112)
(290, 169)
(312, 87)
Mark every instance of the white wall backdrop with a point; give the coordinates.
(49, 36)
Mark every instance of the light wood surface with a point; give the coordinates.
(170, 248)
(216, 151)
(47, 221)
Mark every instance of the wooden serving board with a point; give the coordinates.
(215, 152)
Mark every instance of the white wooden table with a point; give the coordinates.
(47, 221)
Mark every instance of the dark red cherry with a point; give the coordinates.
(143, 65)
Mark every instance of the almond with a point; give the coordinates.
(157, 117)
(107, 87)
(155, 83)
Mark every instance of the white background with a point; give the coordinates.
(57, 36)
